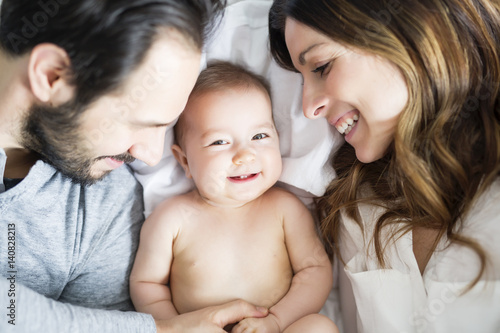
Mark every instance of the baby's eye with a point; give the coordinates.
(260, 136)
(218, 143)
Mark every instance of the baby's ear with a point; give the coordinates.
(180, 156)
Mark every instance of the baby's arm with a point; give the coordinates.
(150, 274)
(313, 276)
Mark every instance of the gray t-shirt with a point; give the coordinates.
(66, 252)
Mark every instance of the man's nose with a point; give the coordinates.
(149, 148)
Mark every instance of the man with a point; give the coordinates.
(87, 86)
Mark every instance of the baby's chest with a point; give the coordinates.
(234, 252)
(220, 265)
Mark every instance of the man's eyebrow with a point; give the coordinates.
(302, 59)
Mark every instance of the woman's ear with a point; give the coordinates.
(48, 73)
(180, 156)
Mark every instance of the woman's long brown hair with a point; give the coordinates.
(446, 149)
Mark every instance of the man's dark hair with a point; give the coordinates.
(104, 39)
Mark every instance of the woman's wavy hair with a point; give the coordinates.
(446, 149)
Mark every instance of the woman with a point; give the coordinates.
(414, 214)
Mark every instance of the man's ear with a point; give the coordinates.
(48, 70)
(180, 156)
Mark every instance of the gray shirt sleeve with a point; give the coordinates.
(33, 312)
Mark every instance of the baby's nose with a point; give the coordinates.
(244, 156)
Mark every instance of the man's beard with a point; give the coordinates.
(54, 134)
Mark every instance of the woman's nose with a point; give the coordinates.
(313, 102)
(244, 156)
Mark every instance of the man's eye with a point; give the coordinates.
(260, 136)
(218, 143)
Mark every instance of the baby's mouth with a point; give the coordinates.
(345, 124)
(244, 177)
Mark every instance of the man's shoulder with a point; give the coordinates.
(118, 189)
(119, 182)
(48, 176)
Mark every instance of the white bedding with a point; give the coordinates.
(305, 145)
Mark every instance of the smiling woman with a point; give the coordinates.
(343, 83)
(413, 87)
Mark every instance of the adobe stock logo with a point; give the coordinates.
(33, 24)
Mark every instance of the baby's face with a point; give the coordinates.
(231, 146)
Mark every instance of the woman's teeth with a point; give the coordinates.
(347, 125)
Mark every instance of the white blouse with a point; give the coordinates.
(400, 299)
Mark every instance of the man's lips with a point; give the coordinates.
(243, 178)
(113, 163)
(117, 160)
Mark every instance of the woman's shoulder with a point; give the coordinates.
(482, 226)
(485, 211)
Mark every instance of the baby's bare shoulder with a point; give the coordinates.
(173, 210)
(280, 196)
(286, 205)
(175, 204)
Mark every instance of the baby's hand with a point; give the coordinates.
(267, 324)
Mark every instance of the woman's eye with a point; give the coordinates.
(218, 143)
(260, 136)
(322, 69)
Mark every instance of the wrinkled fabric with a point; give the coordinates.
(399, 299)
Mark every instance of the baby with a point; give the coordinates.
(235, 236)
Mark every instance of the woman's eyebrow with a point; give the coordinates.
(302, 59)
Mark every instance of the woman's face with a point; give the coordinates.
(360, 94)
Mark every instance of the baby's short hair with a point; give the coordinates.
(220, 76)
